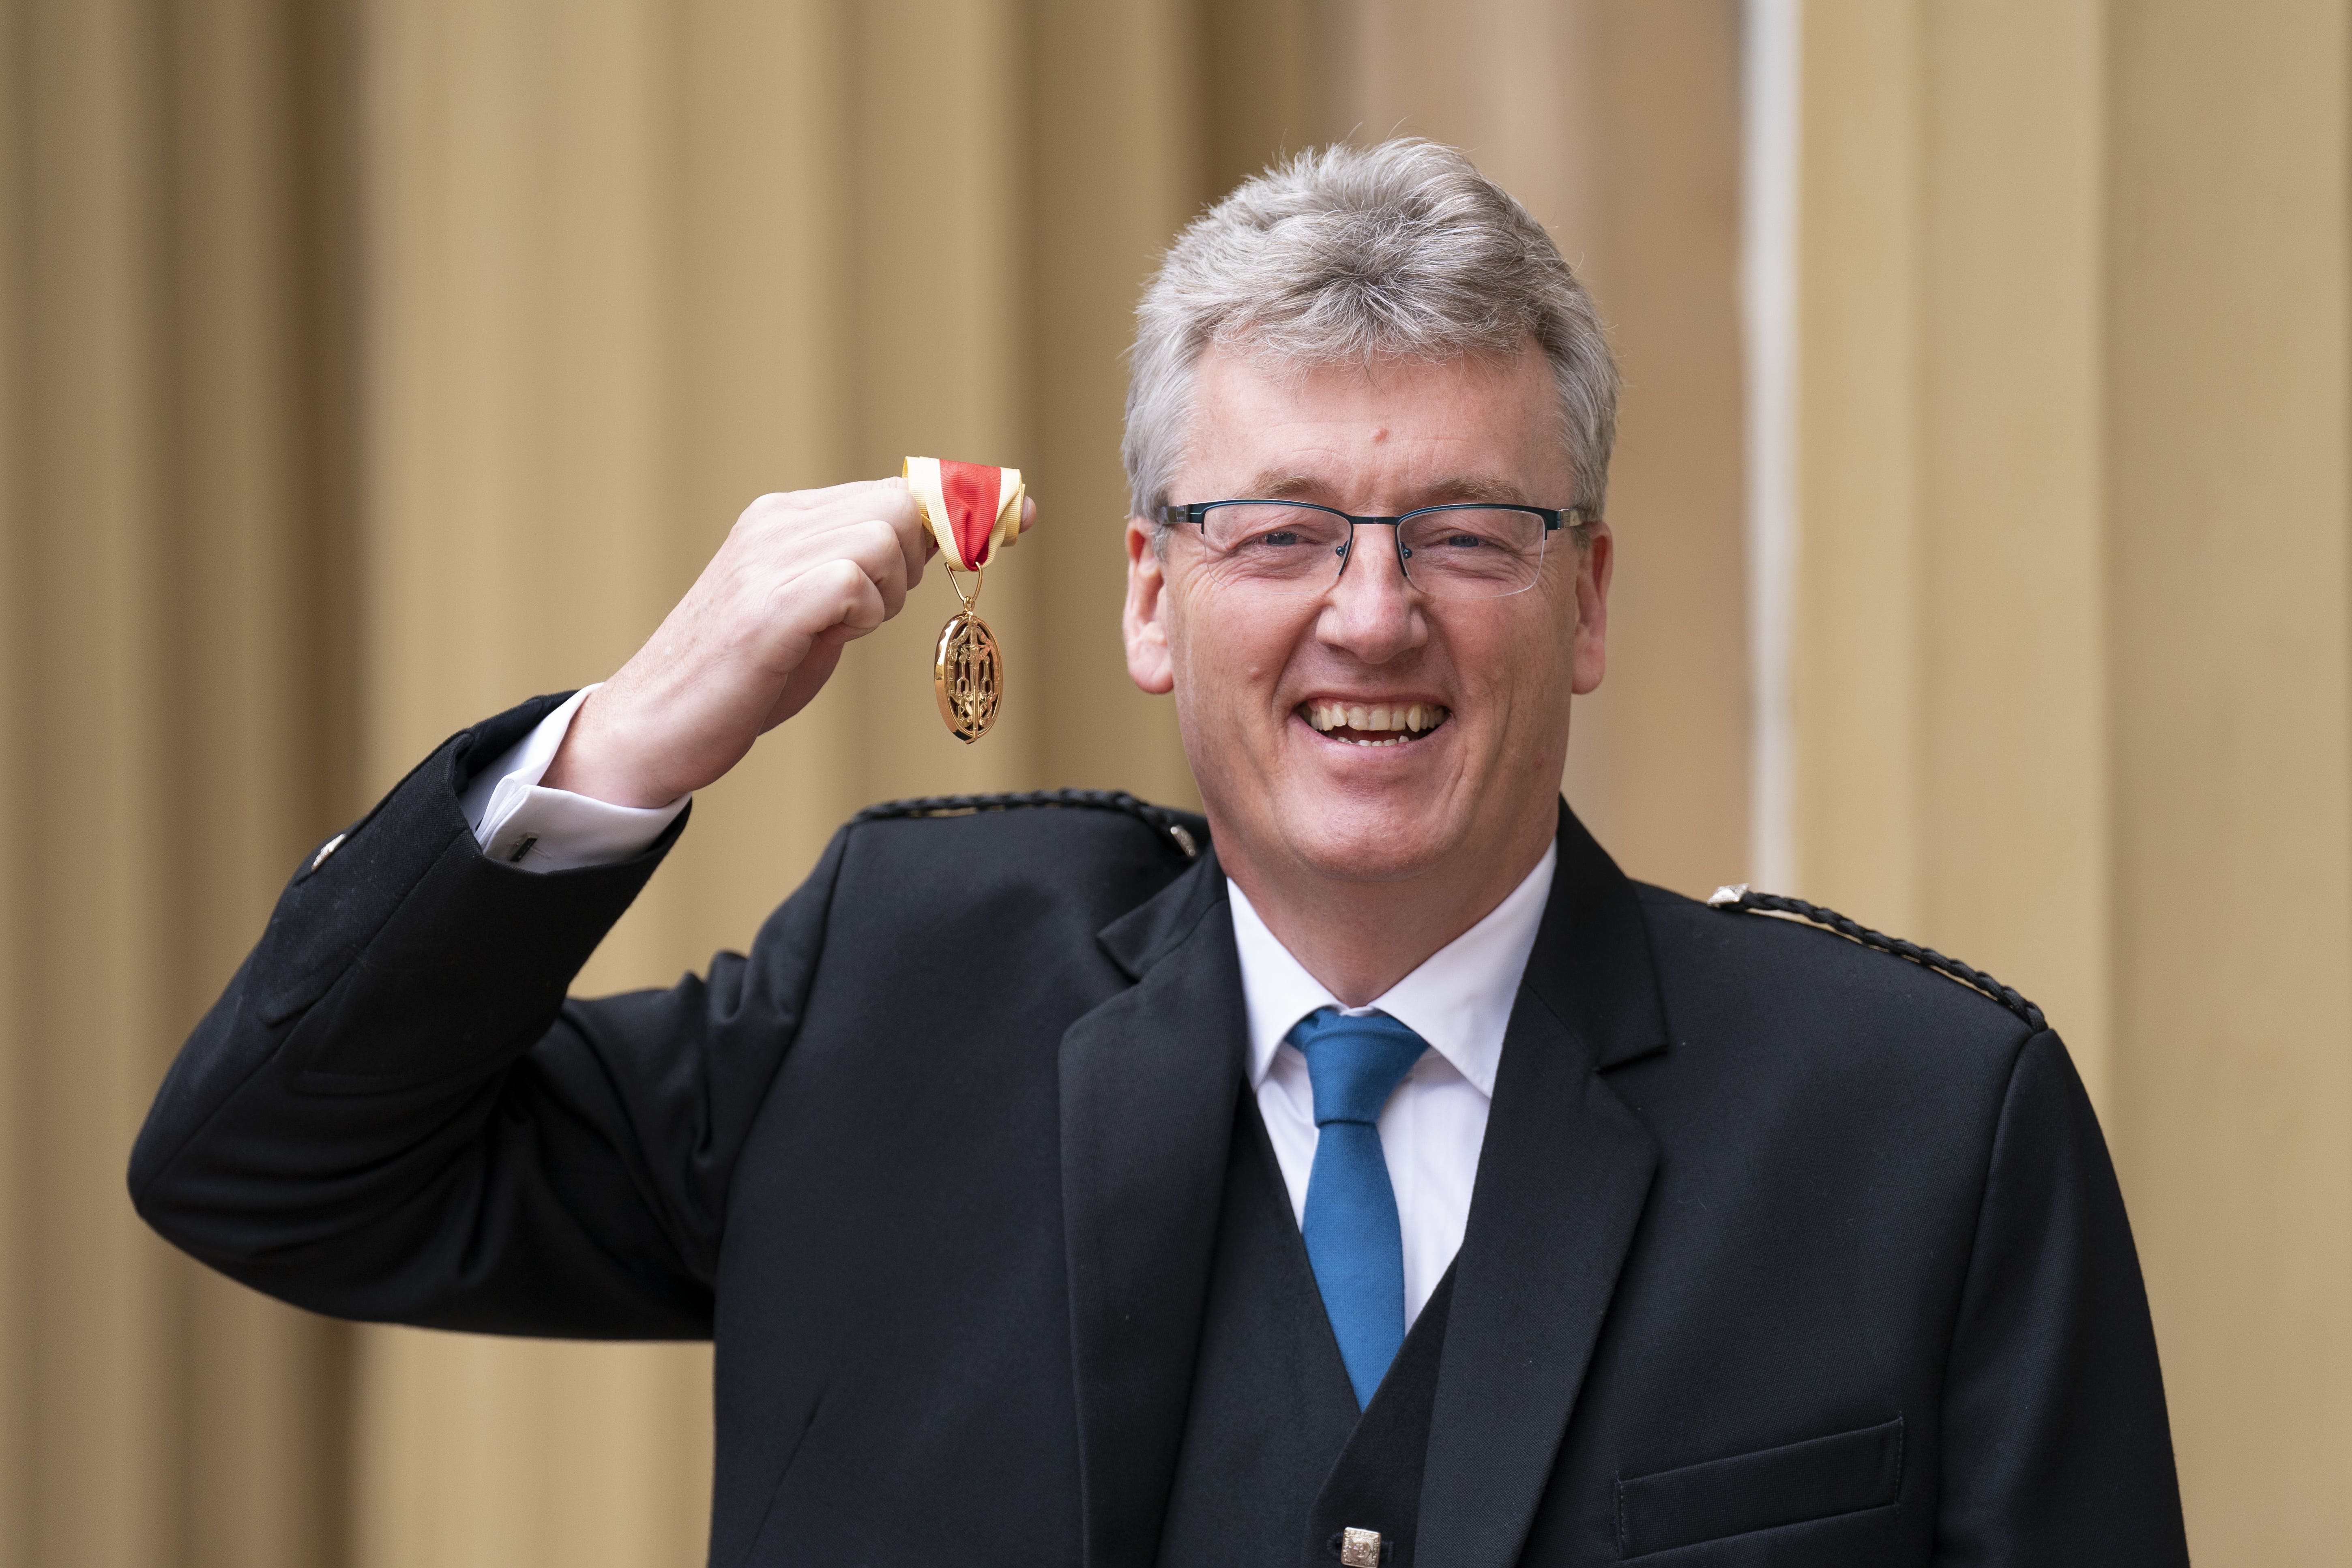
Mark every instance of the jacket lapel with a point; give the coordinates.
(1149, 1082)
(1562, 1178)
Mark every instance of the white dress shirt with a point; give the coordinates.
(1459, 1000)
(515, 820)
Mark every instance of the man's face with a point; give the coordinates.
(1253, 665)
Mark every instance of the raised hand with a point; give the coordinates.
(800, 576)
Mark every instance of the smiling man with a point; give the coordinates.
(1366, 1171)
(1373, 652)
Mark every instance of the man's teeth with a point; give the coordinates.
(1408, 718)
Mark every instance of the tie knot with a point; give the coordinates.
(1354, 1064)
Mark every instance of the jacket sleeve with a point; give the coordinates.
(394, 1114)
(2055, 1444)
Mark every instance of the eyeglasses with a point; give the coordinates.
(1470, 551)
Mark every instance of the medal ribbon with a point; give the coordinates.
(970, 508)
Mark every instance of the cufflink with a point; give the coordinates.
(1360, 1548)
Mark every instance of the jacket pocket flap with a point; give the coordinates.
(1788, 1485)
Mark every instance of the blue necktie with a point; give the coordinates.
(1353, 1239)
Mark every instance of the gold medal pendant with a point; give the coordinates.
(970, 509)
(968, 671)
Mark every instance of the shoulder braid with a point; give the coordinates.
(1168, 825)
(1738, 897)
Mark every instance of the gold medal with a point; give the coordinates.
(970, 509)
(967, 674)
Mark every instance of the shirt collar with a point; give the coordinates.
(1459, 999)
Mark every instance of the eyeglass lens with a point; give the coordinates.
(1466, 553)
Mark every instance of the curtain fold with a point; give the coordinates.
(179, 706)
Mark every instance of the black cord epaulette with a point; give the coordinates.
(1167, 824)
(1740, 897)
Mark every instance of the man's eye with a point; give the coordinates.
(1278, 537)
(1464, 542)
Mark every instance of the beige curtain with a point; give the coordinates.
(2075, 608)
(366, 366)
(176, 698)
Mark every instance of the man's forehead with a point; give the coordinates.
(1386, 438)
(1476, 404)
(1290, 482)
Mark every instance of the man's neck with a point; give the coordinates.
(1359, 938)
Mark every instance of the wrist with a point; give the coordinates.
(595, 761)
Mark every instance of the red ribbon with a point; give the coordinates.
(972, 491)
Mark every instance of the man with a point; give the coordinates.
(1368, 1172)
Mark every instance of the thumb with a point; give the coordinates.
(808, 677)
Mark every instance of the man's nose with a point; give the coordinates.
(1374, 612)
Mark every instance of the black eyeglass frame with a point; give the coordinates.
(1554, 519)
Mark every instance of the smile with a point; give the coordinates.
(1375, 723)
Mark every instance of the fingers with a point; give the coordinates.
(915, 542)
(880, 551)
(853, 602)
(850, 492)
(874, 522)
(891, 501)
(874, 525)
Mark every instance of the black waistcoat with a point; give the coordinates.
(1276, 1459)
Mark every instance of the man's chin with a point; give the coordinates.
(1354, 844)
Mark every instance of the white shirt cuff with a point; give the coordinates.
(536, 829)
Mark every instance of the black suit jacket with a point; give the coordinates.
(1780, 1251)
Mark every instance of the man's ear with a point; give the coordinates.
(1596, 560)
(1145, 622)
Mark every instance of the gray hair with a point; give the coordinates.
(1399, 251)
